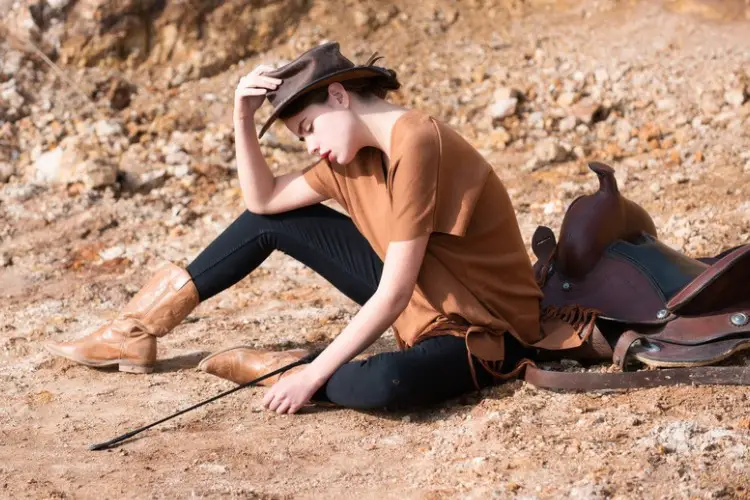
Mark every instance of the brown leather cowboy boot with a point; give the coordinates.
(242, 364)
(129, 340)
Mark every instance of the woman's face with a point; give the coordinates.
(331, 129)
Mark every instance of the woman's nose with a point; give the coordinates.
(311, 147)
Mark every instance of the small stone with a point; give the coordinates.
(11, 97)
(582, 129)
(623, 131)
(735, 97)
(536, 120)
(568, 123)
(181, 171)
(579, 76)
(106, 128)
(500, 137)
(21, 192)
(550, 151)
(666, 104)
(698, 156)
(503, 108)
(11, 63)
(674, 157)
(588, 111)
(5, 259)
(648, 132)
(144, 181)
(96, 173)
(680, 178)
(6, 171)
(48, 165)
(504, 93)
(362, 18)
(68, 164)
(112, 253)
(567, 99)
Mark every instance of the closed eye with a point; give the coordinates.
(308, 130)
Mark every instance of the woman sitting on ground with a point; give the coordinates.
(432, 247)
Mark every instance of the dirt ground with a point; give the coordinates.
(71, 256)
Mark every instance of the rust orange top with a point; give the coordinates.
(476, 280)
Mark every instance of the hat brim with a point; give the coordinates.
(339, 76)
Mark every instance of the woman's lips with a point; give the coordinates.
(326, 155)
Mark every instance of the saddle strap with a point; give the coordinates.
(703, 375)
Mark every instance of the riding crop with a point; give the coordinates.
(307, 359)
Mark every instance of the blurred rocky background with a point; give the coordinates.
(124, 107)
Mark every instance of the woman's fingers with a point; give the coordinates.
(259, 72)
(283, 406)
(260, 69)
(273, 403)
(270, 79)
(244, 85)
(269, 84)
(268, 398)
(294, 408)
(251, 92)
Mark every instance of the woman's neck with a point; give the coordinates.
(379, 119)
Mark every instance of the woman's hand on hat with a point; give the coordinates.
(251, 91)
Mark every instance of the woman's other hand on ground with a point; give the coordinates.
(291, 393)
(251, 91)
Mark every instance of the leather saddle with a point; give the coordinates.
(613, 291)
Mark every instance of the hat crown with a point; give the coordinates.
(313, 65)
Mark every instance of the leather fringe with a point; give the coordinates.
(582, 319)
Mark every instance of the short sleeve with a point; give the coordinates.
(320, 177)
(436, 181)
(414, 182)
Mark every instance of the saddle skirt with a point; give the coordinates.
(613, 291)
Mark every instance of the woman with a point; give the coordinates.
(432, 248)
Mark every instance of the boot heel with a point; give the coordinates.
(131, 368)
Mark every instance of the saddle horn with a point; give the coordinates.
(595, 221)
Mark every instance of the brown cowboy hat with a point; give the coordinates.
(316, 68)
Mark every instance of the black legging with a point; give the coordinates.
(328, 242)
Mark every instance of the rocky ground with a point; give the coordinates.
(116, 153)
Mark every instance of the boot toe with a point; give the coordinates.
(56, 348)
(242, 364)
(231, 364)
(62, 349)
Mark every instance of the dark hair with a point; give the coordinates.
(366, 88)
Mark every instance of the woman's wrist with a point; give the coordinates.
(243, 116)
(319, 373)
